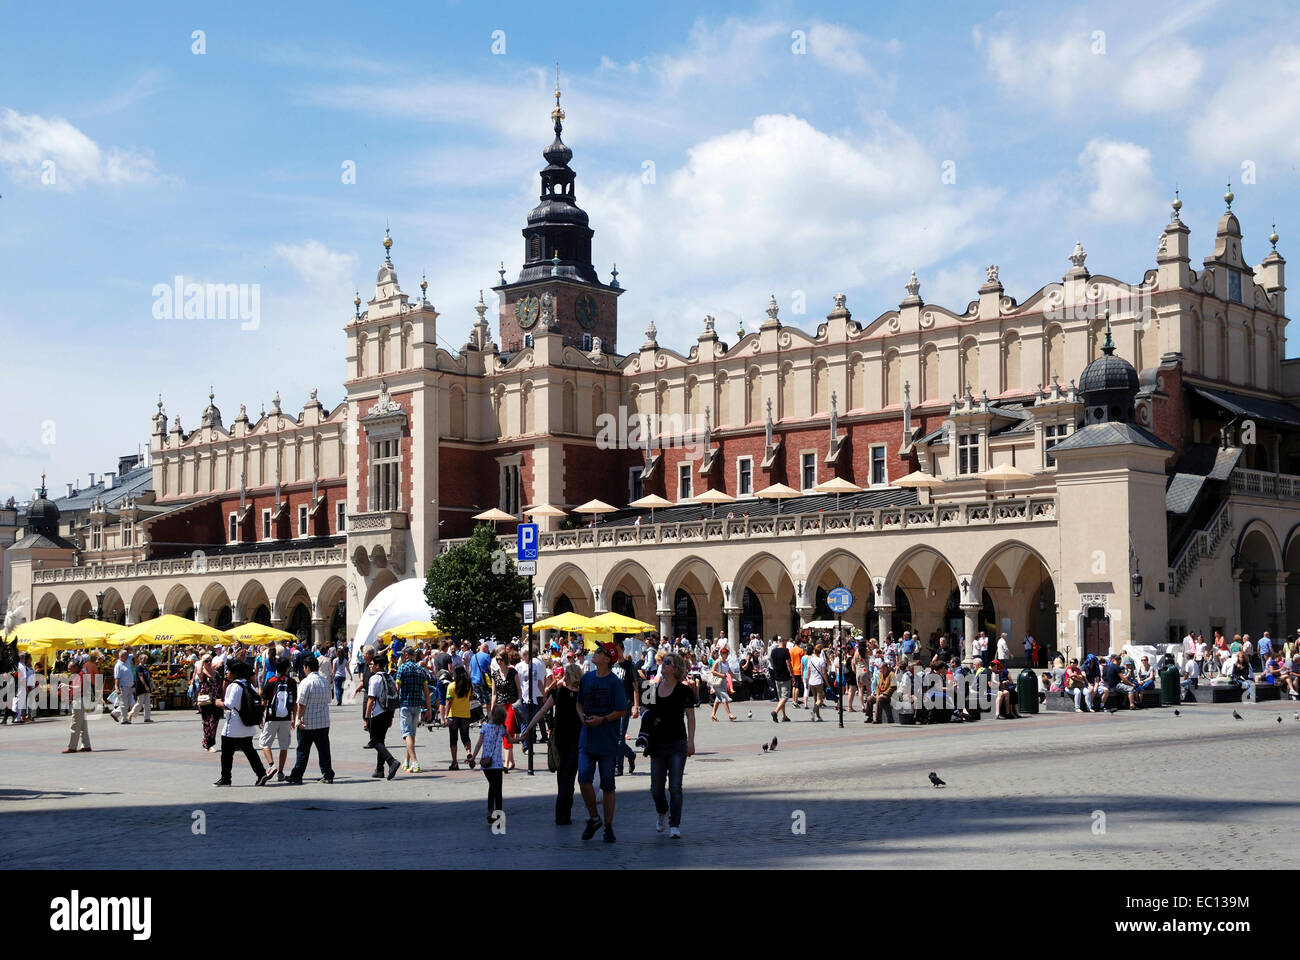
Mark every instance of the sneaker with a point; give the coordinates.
(609, 835)
(775, 718)
(325, 780)
(264, 779)
(221, 783)
(785, 719)
(593, 824)
(377, 775)
(661, 823)
(415, 768)
(453, 765)
(295, 781)
(279, 776)
(406, 766)
(392, 769)
(148, 721)
(675, 833)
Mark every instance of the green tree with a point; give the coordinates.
(476, 590)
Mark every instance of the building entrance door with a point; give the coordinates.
(1096, 632)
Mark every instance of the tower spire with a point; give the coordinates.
(1108, 346)
(558, 113)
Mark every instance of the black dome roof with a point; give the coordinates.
(1108, 372)
(43, 515)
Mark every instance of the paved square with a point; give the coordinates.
(1201, 790)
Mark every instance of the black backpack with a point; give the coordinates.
(391, 698)
(250, 705)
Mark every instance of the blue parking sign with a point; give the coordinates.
(527, 542)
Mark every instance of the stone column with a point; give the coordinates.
(1277, 583)
(805, 615)
(970, 627)
(733, 626)
(665, 623)
(319, 631)
(883, 615)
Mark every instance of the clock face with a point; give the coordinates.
(587, 311)
(526, 310)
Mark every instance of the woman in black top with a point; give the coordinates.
(671, 741)
(505, 692)
(565, 730)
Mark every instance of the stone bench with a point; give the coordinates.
(1264, 692)
(1225, 693)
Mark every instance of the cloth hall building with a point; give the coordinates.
(1109, 462)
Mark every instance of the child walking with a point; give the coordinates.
(488, 749)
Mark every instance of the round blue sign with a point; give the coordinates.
(839, 600)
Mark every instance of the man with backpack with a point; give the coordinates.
(413, 691)
(280, 694)
(243, 709)
(382, 699)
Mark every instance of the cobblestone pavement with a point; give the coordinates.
(1200, 790)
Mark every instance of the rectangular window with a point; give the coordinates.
(385, 475)
(879, 476)
(635, 486)
(968, 453)
(683, 481)
(234, 528)
(341, 516)
(745, 477)
(128, 531)
(266, 524)
(95, 538)
(511, 488)
(1234, 286)
(1053, 434)
(809, 470)
(302, 521)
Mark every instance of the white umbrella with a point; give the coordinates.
(713, 498)
(778, 492)
(1005, 473)
(651, 501)
(837, 486)
(595, 506)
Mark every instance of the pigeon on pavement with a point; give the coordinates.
(772, 747)
(1177, 713)
(1237, 716)
(765, 748)
(934, 778)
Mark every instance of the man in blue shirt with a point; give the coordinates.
(480, 666)
(602, 702)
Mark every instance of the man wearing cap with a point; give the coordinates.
(601, 705)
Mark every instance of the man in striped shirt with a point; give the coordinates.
(313, 722)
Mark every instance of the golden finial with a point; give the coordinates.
(557, 114)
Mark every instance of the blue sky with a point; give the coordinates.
(723, 154)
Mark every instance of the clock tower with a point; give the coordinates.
(558, 287)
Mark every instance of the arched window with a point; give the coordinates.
(693, 399)
(857, 382)
(408, 349)
(456, 400)
(929, 373)
(893, 390)
(1054, 354)
(970, 366)
(526, 408)
(787, 392)
(722, 409)
(1011, 362)
(569, 418)
(753, 401)
(535, 248)
(383, 351)
(821, 387)
(361, 354)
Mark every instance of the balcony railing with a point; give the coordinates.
(199, 563)
(1203, 543)
(827, 523)
(1258, 483)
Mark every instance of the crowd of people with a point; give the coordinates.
(579, 699)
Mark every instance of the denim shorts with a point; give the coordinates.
(587, 763)
(409, 718)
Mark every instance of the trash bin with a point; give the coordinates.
(1027, 691)
(1171, 688)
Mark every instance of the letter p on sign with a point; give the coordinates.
(527, 542)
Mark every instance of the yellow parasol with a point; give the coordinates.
(414, 630)
(617, 623)
(570, 622)
(167, 630)
(250, 634)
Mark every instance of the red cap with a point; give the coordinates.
(611, 651)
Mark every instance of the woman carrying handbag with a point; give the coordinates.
(720, 681)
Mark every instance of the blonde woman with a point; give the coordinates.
(718, 676)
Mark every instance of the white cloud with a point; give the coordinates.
(320, 269)
(54, 152)
(839, 48)
(1123, 186)
(783, 205)
(1081, 65)
(1255, 115)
